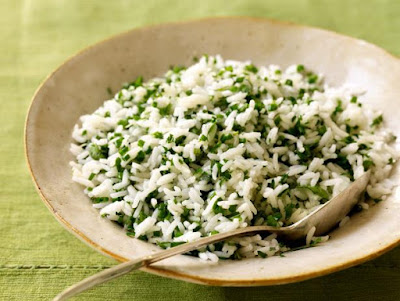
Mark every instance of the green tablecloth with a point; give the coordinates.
(38, 258)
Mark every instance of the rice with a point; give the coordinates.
(222, 145)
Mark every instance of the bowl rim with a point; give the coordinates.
(173, 273)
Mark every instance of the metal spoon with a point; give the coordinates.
(324, 218)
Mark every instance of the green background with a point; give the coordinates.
(38, 258)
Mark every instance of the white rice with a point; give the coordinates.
(223, 145)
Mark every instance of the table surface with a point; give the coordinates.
(38, 258)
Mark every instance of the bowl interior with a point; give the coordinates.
(80, 85)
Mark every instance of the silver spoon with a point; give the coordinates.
(324, 218)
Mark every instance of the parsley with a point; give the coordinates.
(277, 120)
(317, 190)
(225, 138)
(140, 157)
(170, 138)
(118, 142)
(158, 135)
(203, 138)
(349, 139)
(180, 140)
(123, 122)
(321, 130)
(100, 200)
(272, 107)
(123, 150)
(312, 78)
(377, 121)
(298, 129)
(166, 110)
(251, 68)
(178, 69)
(138, 82)
(259, 105)
(289, 82)
(353, 99)
(118, 164)
(97, 152)
(272, 221)
(367, 164)
(338, 108)
(300, 68)
(229, 68)
(140, 143)
(289, 208)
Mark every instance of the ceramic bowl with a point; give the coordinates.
(80, 85)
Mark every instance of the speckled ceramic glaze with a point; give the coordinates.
(80, 85)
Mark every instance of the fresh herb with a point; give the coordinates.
(353, 99)
(158, 135)
(140, 157)
(312, 78)
(100, 200)
(272, 107)
(97, 152)
(367, 164)
(338, 108)
(289, 82)
(251, 68)
(317, 190)
(225, 138)
(377, 121)
(300, 68)
(165, 110)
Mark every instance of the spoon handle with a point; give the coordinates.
(99, 278)
(135, 264)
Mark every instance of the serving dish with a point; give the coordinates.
(80, 85)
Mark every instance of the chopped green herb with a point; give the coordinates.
(165, 110)
(272, 107)
(225, 138)
(367, 164)
(377, 121)
(312, 78)
(98, 152)
(251, 68)
(140, 157)
(158, 135)
(203, 138)
(317, 190)
(300, 68)
(353, 99)
(289, 82)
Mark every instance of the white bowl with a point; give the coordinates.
(80, 85)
